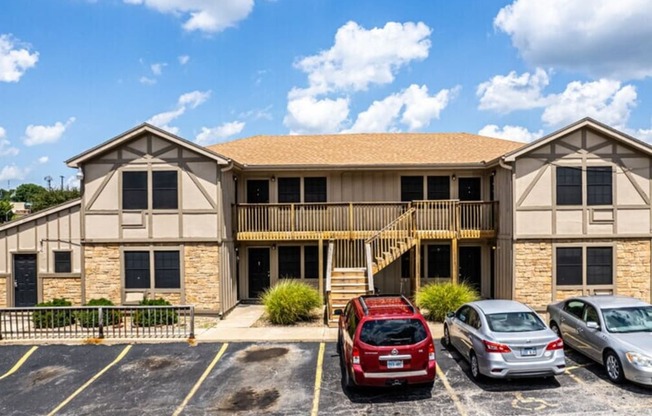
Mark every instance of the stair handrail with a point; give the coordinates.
(370, 270)
(329, 265)
(374, 245)
(376, 236)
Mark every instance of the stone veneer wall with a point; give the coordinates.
(202, 276)
(102, 272)
(3, 292)
(62, 287)
(534, 270)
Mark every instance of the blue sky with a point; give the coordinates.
(74, 73)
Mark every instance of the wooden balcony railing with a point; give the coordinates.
(360, 220)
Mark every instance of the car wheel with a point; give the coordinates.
(475, 367)
(447, 337)
(555, 329)
(614, 368)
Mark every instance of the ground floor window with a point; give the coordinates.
(293, 260)
(165, 264)
(62, 263)
(584, 266)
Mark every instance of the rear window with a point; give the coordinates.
(515, 322)
(387, 332)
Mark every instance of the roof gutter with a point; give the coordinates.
(430, 166)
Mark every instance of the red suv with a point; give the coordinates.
(384, 341)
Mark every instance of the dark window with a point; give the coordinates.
(164, 194)
(599, 265)
(289, 190)
(439, 261)
(569, 266)
(289, 262)
(474, 319)
(463, 314)
(411, 188)
(314, 190)
(439, 187)
(388, 332)
(352, 323)
(405, 263)
(166, 270)
(591, 315)
(311, 262)
(515, 322)
(137, 270)
(575, 308)
(62, 262)
(134, 190)
(569, 186)
(598, 186)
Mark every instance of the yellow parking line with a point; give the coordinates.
(318, 372)
(200, 381)
(92, 379)
(573, 376)
(451, 392)
(19, 363)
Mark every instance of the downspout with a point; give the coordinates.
(222, 312)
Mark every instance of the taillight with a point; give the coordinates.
(557, 344)
(355, 356)
(431, 352)
(496, 347)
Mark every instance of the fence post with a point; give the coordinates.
(100, 322)
(192, 323)
(1, 325)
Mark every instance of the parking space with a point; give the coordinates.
(279, 378)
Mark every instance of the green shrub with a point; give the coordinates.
(153, 317)
(290, 301)
(53, 318)
(91, 318)
(440, 298)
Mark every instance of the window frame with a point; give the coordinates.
(584, 286)
(151, 264)
(565, 200)
(596, 200)
(131, 189)
(160, 190)
(151, 202)
(404, 192)
(55, 253)
(298, 261)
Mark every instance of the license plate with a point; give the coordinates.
(395, 364)
(528, 352)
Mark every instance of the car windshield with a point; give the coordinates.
(515, 322)
(386, 332)
(634, 319)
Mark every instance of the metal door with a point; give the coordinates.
(25, 292)
(258, 271)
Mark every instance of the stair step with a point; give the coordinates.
(349, 270)
(336, 291)
(340, 284)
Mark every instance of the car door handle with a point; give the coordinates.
(579, 329)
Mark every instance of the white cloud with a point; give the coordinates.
(37, 134)
(308, 115)
(603, 100)
(147, 80)
(157, 68)
(6, 149)
(361, 57)
(209, 16)
(219, 133)
(13, 172)
(258, 114)
(516, 133)
(14, 61)
(183, 59)
(186, 101)
(417, 106)
(43, 159)
(603, 38)
(511, 92)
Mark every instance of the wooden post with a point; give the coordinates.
(320, 256)
(454, 261)
(416, 283)
(350, 220)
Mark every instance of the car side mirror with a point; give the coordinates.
(592, 325)
(337, 312)
(450, 314)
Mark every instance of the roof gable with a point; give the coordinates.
(136, 132)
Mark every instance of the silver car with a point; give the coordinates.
(615, 331)
(504, 339)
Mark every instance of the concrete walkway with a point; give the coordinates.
(237, 327)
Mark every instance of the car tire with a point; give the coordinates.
(555, 329)
(447, 337)
(339, 343)
(475, 366)
(614, 368)
(348, 381)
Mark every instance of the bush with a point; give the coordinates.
(437, 299)
(91, 318)
(53, 318)
(290, 301)
(153, 317)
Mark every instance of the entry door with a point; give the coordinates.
(258, 271)
(25, 293)
(469, 189)
(470, 261)
(258, 191)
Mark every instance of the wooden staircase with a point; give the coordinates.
(346, 284)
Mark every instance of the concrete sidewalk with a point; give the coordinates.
(237, 327)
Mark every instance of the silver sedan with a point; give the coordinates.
(615, 331)
(504, 339)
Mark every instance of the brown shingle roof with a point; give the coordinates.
(365, 149)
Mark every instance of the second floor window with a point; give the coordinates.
(598, 185)
(314, 190)
(164, 190)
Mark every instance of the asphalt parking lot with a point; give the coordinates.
(279, 379)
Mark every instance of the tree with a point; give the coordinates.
(49, 198)
(28, 192)
(6, 213)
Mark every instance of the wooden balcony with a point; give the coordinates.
(447, 219)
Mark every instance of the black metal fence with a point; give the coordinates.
(84, 322)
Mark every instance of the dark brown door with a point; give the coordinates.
(258, 271)
(470, 262)
(25, 293)
(258, 191)
(469, 189)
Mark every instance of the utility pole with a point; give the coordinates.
(61, 176)
(48, 179)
